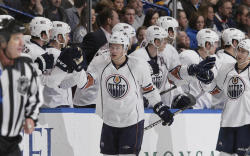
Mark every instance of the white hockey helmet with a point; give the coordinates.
(231, 34)
(245, 44)
(167, 22)
(206, 35)
(125, 28)
(60, 28)
(119, 38)
(38, 25)
(155, 32)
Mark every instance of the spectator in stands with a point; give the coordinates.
(139, 13)
(246, 2)
(207, 11)
(55, 12)
(151, 17)
(118, 5)
(222, 18)
(103, 4)
(248, 24)
(190, 7)
(93, 41)
(182, 20)
(241, 18)
(128, 15)
(196, 23)
(182, 41)
(81, 29)
(141, 36)
(74, 13)
(33, 7)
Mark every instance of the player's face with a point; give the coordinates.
(15, 45)
(116, 51)
(163, 44)
(242, 55)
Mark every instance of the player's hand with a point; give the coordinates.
(70, 59)
(206, 77)
(45, 61)
(182, 101)
(29, 125)
(163, 112)
(203, 66)
(154, 66)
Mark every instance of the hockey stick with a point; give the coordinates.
(192, 103)
(168, 90)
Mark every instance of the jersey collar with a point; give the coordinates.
(226, 52)
(123, 64)
(236, 67)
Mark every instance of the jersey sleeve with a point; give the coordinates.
(148, 89)
(35, 97)
(77, 78)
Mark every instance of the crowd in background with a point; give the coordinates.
(192, 16)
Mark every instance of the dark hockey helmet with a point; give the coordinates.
(9, 26)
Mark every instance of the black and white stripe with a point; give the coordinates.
(16, 105)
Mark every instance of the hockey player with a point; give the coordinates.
(40, 30)
(82, 98)
(231, 37)
(207, 44)
(54, 96)
(234, 80)
(170, 25)
(121, 82)
(166, 65)
(127, 30)
(21, 94)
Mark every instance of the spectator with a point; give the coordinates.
(81, 30)
(141, 36)
(93, 20)
(93, 41)
(246, 2)
(151, 17)
(128, 15)
(207, 11)
(190, 7)
(139, 14)
(74, 13)
(182, 20)
(222, 18)
(55, 12)
(103, 4)
(248, 24)
(241, 18)
(118, 5)
(33, 7)
(182, 41)
(196, 23)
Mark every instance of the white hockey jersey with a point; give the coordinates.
(224, 57)
(204, 101)
(236, 87)
(57, 83)
(32, 49)
(168, 60)
(121, 90)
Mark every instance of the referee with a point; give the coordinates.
(20, 89)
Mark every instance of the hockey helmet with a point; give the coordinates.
(119, 38)
(155, 32)
(39, 25)
(206, 35)
(231, 34)
(60, 28)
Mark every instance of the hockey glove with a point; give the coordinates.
(204, 65)
(183, 101)
(70, 59)
(163, 112)
(205, 77)
(155, 67)
(45, 61)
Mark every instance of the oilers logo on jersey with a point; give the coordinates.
(157, 79)
(117, 86)
(235, 88)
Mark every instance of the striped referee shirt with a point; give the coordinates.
(21, 96)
